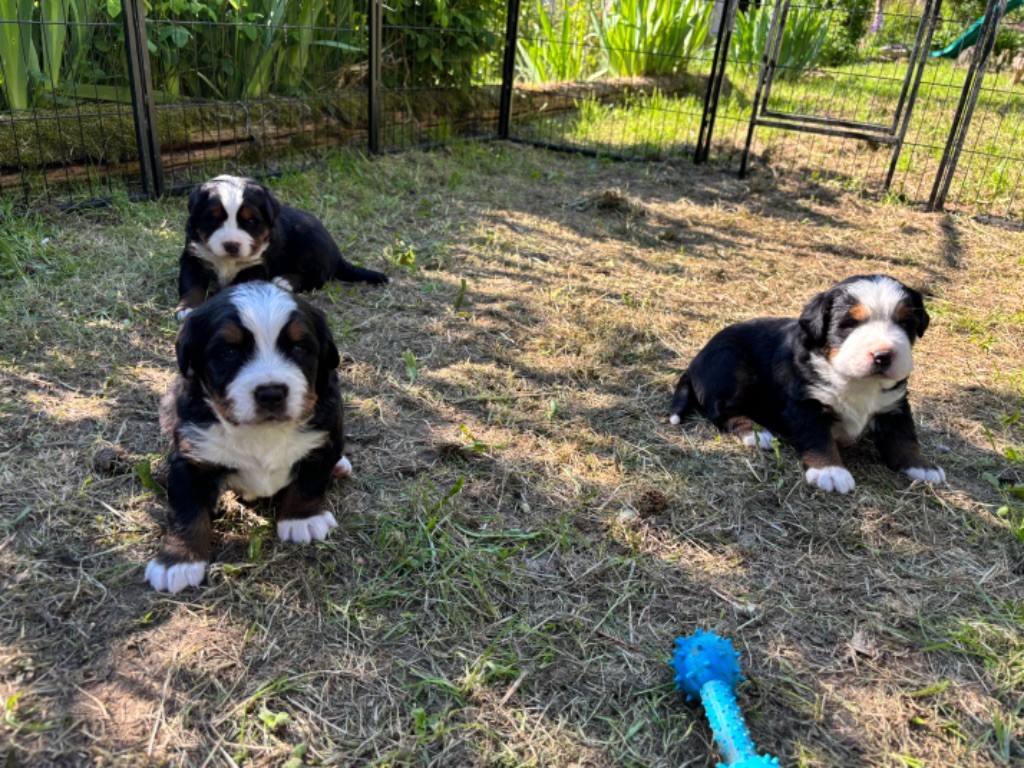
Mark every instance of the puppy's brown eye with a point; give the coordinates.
(301, 350)
(228, 354)
(849, 322)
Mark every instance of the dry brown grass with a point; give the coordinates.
(525, 534)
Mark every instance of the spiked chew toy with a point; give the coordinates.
(708, 668)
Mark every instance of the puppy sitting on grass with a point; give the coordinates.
(257, 409)
(820, 381)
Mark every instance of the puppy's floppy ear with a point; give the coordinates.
(268, 205)
(815, 318)
(920, 313)
(329, 357)
(184, 345)
(197, 197)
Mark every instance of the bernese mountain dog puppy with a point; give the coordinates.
(819, 381)
(238, 231)
(256, 409)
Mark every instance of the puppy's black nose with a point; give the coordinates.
(271, 396)
(883, 358)
(231, 247)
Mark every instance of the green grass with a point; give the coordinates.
(659, 125)
(524, 535)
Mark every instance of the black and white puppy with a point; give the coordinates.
(820, 381)
(256, 409)
(238, 231)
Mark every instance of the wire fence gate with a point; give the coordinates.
(101, 99)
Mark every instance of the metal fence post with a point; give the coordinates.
(715, 80)
(140, 78)
(965, 108)
(373, 77)
(908, 95)
(508, 71)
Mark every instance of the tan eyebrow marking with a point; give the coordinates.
(231, 333)
(296, 330)
(859, 312)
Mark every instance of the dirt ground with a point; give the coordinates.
(524, 534)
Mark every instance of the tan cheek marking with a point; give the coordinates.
(859, 312)
(832, 352)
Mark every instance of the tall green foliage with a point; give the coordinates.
(652, 37)
(557, 50)
(443, 42)
(17, 51)
(804, 36)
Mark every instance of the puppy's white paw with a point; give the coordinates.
(836, 479)
(674, 419)
(181, 314)
(283, 283)
(935, 475)
(307, 529)
(175, 578)
(762, 439)
(343, 468)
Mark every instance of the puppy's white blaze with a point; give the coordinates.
(934, 476)
(265, 310)
(762, 439)
(880, 297)
(836, 479)
(674, 419)
(230, 191)
(309, 529)
(262, 455)
(177, 577)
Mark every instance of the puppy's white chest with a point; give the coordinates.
(226, 268)
(262, 455)
(858, 404)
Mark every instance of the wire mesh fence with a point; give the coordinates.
(864, 93)
(67, 128)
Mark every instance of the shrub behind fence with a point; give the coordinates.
(100, 99)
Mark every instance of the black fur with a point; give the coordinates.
(207, 364)
(767, 372)
(299, 248)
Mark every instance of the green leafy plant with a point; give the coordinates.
(16, 50)
(802, 40)
(556, 49)
(652, 37)
(442, 42)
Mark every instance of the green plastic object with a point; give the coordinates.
(970, 36)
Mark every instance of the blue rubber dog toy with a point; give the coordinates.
(708, 668)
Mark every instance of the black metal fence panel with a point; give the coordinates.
(101, 98)
(258, 89)
(440, 71)
(67, 130)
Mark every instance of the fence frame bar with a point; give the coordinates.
(147, 135)
(374, 45)
(961, 124)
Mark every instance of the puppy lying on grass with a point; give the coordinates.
(819, 381)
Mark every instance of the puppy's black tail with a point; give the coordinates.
(350, 273)
(682, 400)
